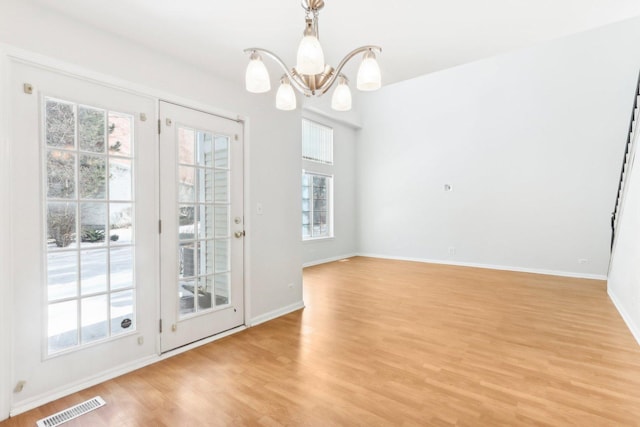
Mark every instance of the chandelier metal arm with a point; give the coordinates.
(327, 85)
(294, 78)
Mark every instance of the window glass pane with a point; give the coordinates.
(120, 179)
(121, 272)
(306, 231)
(91, 127)
(316, 206)
(222, 288)
(186, 184)
(60, 124)
(62, 325)
(122, 312)
(93, 271)
(186, 146)
(222, 152)
(61, 224)
(205, 291)
(61, 175)
(93, 224)
(205, 149)
(62, 275)
(120, 134)
(93, 175)
(317, 142)
(121, 223)
(94, 324)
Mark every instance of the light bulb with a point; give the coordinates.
(341, 99)
(286, 97)
(257, 76)
(369, 77)
(310, 58)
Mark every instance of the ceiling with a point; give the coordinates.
(417, 36)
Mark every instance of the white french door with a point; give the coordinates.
(84, 213)
(202, 239)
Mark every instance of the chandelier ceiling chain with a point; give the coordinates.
(312, 76)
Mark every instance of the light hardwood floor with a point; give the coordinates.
(398, 343)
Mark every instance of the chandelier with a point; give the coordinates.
(311, 76)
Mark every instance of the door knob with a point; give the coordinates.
(239, 234)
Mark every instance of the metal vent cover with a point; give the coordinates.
(71, 413)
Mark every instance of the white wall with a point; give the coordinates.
(343, 244)
(273, 246)
(531, 142)
(624, 275)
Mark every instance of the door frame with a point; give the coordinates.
(10, 54)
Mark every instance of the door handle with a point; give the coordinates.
(239, 234)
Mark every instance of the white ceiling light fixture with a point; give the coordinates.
(312, 76)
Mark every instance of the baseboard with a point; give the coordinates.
(45, 398)
(326, 260)
(58, 393)
(276, 313)
(635, 329)
(492, 267)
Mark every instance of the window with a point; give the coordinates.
(316, 205)
(317, 142)
(88, 198)
(317, 185)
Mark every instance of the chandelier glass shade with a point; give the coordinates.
(312, 76)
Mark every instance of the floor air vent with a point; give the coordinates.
(71, 413)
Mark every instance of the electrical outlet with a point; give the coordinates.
(452, 250)
(140, 340)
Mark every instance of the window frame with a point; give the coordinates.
(311, 159)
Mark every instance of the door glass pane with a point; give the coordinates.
(122, 312)
(121, 223)
(222, 221)
(91, 129)
(222, 152)
(93, 224)
(186, 146)
(222, 288)
(60, 124)
(205, 292)
(62, 321)
(205, 149)
(121, 267)
(186, 184)
(93, 176)
(120, 134)
(205, 257)
(205, 185)
(186, 296)
(186, 222)
(93, 271)
(222, 255)
(187, 260)
(61, 175)
(205, 222)
(120, 177)
(94, 319)
(222, 186)
(62, 275)
(61, 225)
